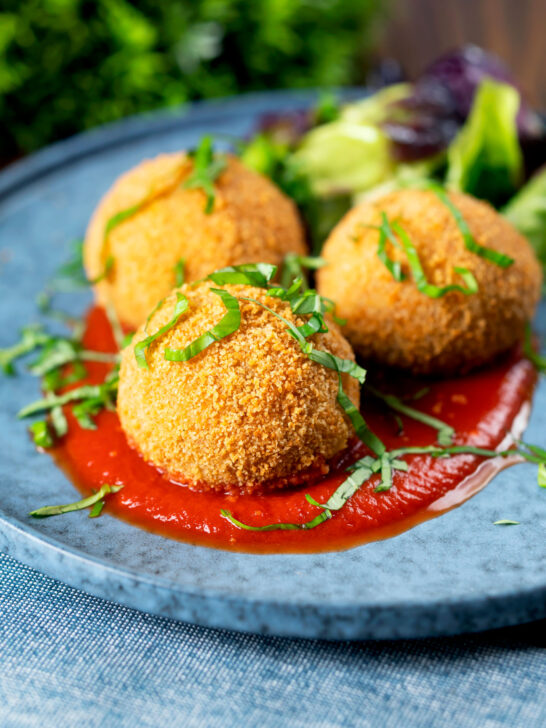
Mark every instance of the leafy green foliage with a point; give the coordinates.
(71, 64)
(527, 212)
(485, 159)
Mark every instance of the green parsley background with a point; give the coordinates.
(67, 65)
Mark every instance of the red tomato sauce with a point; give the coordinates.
(483, 407)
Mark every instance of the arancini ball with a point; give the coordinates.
(251, 221)
(250, 411)
(392, 322)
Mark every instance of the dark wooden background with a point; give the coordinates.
(420, 30)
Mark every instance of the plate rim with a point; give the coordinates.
(15, 535)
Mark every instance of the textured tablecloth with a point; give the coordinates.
(70, 659)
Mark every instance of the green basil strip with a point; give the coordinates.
(206, 169)
(293, 267)
(315, 325)
(394, 267)
(180, 272)
(59, 352)
(286, 293)
(500, 259)
(341, 366)
(97, 509)
(292, 328)
(535, 449)
(155, 309)
(41, 434)
(59, 421)
(226, 326)
(78, 506)
(541, 477)
(346, 490)
(43, 405)
(307, 302)
(104, 392)
(445, 431)
(330, 361)
(107, 268)
(120, 217)
(251, 274)
(428, 289)
(180, 308)
(32, 337)
(115, 324)
(361, 428)
(324, 516)
(506, 522)
(386, 474)
(538, 360)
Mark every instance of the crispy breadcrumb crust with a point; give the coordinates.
(392, 322)
(252, 221)
(250, 410)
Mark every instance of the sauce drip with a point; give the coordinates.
(483, 407)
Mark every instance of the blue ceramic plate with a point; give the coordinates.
(455, 573)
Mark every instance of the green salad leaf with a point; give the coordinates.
(345, 156)
(527, 212)
(485, 158)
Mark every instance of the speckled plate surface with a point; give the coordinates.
(452, 574)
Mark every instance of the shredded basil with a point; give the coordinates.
(445, 431)
(107, 268)
(363, 432)
(79, 505)
(335, 363)
(181, 306)
(258, 275)
(57, 352)
(58, 420)
(506, 522)
(428, 289)
(207, 167)
(105, 392)
(324, 516)
(348, 488)
(154, 310)
(394, 267)
(294, 266)
(180, 272)
(226, 326)
(115, 323)
(41, 434)
(32, 337)
(539, 360)
(361, 471)
(500, 259)
(97, 509)
(120, 217)
(330, 361)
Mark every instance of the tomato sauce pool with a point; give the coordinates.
(483, 407)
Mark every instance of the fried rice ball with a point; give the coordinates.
(250, 411)
(394, 323)
(252, 221)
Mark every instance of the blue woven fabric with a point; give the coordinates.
(69, 659)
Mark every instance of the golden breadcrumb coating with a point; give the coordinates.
(249, 410)
(252, 221)
(392, 322)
